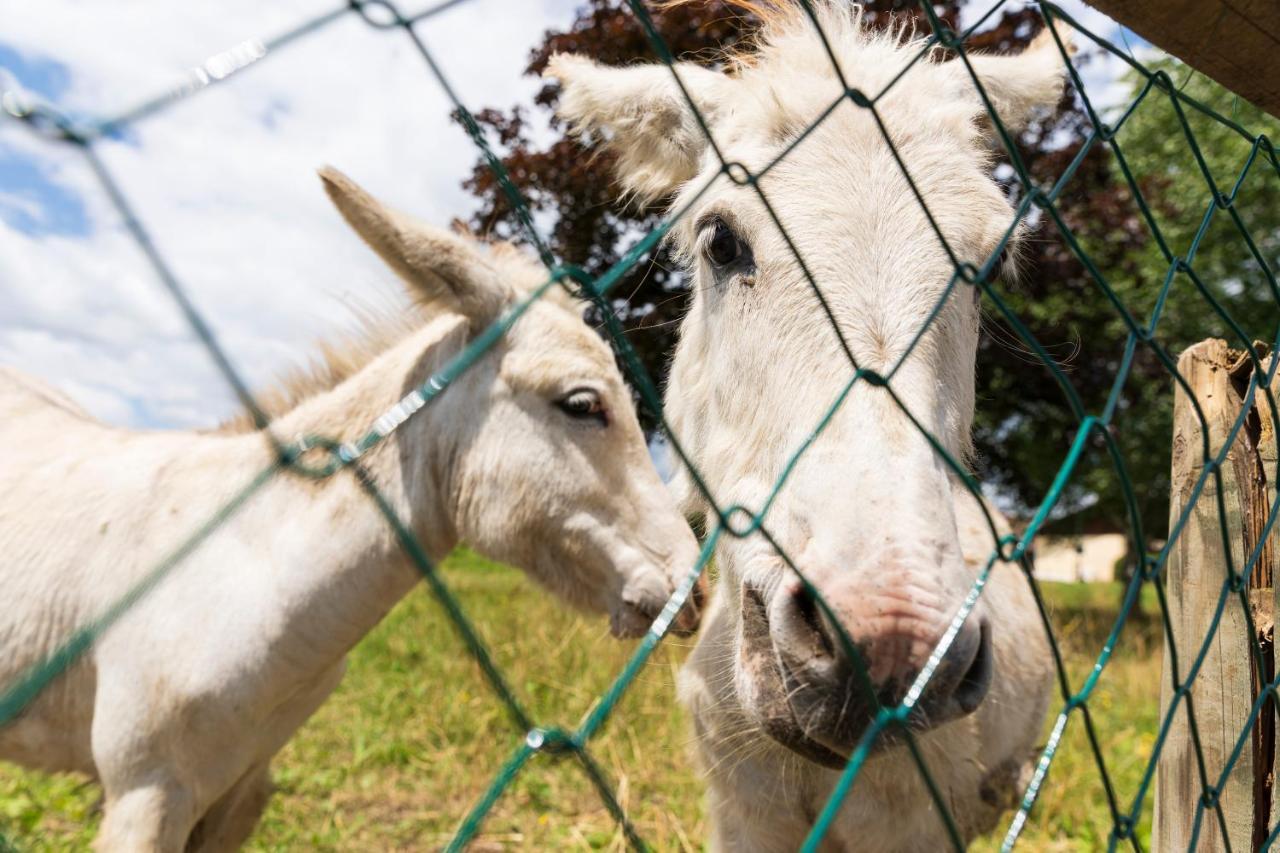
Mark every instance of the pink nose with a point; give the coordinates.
(893, 634)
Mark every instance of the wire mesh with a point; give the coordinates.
(738, 521)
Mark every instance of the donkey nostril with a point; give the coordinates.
(807, 609)
(973, 685)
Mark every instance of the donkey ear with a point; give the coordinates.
(642, 116)
(1020, 84)
(440, 267)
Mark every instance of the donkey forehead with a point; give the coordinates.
(788, 112)
(551, 346)
(841, 193)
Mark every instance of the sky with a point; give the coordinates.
(224, 181)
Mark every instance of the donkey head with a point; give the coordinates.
(544, 464)
(867, 514)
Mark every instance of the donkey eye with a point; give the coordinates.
(724, 247)
(584, 404)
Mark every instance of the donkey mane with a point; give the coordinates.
(378, 328)
(336, 359)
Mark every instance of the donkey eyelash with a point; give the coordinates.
(703, 230)
(704, 227)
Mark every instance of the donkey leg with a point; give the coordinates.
(155, 816)
(231, 819)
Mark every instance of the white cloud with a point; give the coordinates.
(225, 184)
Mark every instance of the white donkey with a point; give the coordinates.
(533, 456)
(871, 514)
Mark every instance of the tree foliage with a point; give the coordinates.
(1024, 425)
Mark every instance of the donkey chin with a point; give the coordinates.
(807, 693)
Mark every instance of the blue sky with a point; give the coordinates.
(43, 75)
(32, 202)
(224, 181)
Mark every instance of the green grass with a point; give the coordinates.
(413, 736)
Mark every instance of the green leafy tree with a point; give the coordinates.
(1022, 424)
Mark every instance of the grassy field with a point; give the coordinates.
(413, 736)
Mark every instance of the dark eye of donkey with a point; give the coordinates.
(725, 247)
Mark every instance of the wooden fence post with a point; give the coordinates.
(1224, 690)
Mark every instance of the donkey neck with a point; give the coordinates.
(341, 566)
(410, 466)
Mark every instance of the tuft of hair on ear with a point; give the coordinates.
(640, 114)
(1044, 40)
(1021, 84)
(441, 268)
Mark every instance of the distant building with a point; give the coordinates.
(1079, 549)
(1087, 557)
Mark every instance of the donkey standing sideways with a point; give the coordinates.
(533, 456)
(870, 513)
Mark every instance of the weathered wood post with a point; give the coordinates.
(1229, 681)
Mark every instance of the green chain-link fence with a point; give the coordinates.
(737, 521)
